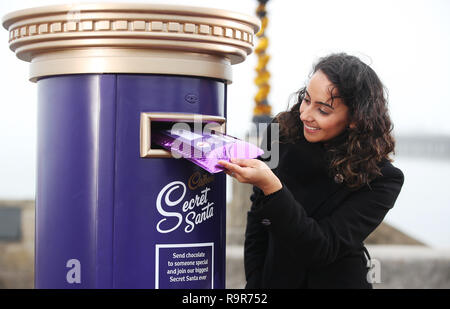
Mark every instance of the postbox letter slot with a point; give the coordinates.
(158, 121)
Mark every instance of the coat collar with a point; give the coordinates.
(304, 168)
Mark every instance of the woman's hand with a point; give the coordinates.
(254, 172)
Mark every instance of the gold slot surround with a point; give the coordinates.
(146, 120)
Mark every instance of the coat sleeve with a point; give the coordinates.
(318, 243)
(255, 245)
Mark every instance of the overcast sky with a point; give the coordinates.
(406, 42)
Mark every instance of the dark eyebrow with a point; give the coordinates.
(327, 105)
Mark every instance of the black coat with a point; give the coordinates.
(310, 233)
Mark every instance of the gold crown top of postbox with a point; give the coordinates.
(130, 38)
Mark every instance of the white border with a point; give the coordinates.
(205, 244)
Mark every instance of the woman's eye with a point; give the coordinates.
(306, 100)
(322, 112)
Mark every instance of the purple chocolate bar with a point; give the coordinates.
(205, 149)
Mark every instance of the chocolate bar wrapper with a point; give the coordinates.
(205, 149)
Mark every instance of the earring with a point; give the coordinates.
(338, 178)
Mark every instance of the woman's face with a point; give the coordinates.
(321, 120)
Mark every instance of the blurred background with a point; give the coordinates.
(406, 42)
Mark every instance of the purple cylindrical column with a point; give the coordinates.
(107, 218)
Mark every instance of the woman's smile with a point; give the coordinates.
(310, 129)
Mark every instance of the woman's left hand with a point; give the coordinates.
(254, 172)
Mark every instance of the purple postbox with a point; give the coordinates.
(112, 209)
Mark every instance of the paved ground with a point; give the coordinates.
(394, 267)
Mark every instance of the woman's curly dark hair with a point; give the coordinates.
(355, 153)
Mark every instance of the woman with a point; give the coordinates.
(333, 185)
